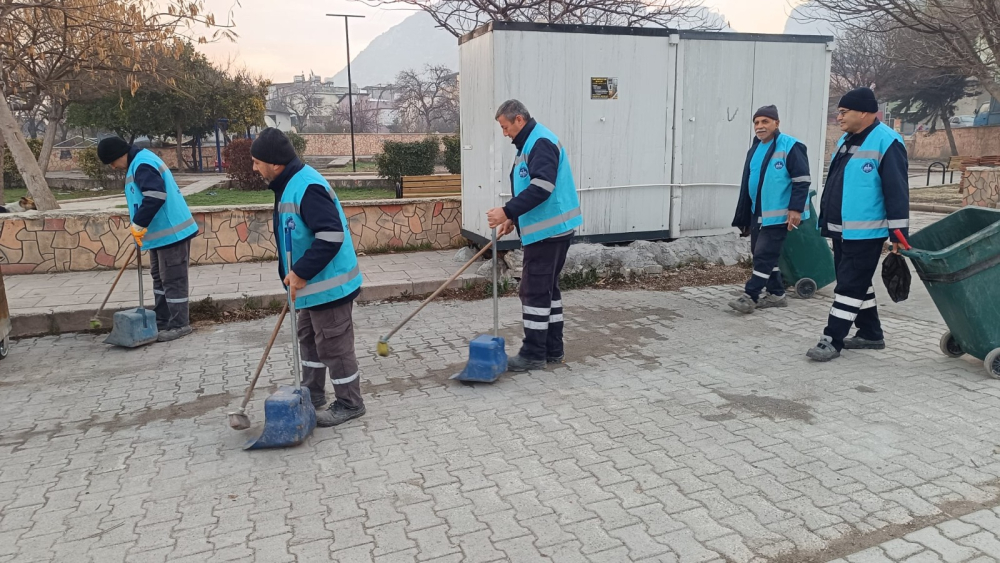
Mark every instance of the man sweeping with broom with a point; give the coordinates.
(546, 211)
(324, 278)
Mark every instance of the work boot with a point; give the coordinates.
(337, 413)
(174, 334)
(744, 304)
(560, 359)
(519, 363)
(858, 343)
(823, 351)
(318, 400)
(769, 301)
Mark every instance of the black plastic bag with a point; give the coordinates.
(896, 276)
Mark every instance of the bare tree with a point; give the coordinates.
(428, 102)
(966, 33)
(365, 114)
(48, 47)
(862, 59)
(462, 16)
(304, 100)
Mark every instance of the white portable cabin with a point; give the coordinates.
(656, 122)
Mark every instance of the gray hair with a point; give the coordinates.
(511, 109)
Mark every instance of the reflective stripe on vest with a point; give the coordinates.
(342, 276)
(173, 222)
(560, 212)
(863, 212)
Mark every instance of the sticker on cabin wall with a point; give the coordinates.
(603, 88)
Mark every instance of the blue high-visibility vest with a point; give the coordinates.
(342, 276)
(173, 222)
(560, 212)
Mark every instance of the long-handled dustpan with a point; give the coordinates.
(289, 416)
(487, 354)
(134, 328)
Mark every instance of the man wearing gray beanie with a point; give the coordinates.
(323, 277)
(773, 200)
(866, 199)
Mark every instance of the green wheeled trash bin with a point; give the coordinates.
(806, 261)
(958, 259)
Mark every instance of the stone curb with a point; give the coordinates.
(931, 208)
(77, 319)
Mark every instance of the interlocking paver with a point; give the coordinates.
(646, 446)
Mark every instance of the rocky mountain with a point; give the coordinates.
(413, 43)
(416, 42)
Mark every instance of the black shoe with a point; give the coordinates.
(337, 414)
(560, 359)
(168, 335)
(318, 400)
(519, 363)
(858, 343)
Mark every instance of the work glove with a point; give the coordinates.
(137, 234)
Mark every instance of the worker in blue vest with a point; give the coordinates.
(773, 200)
(161, 224)
(324, 278)
(865, 200)
(545, 210)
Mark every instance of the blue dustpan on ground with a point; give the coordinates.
(289, 416)
(131, 329)
(487, 354)
(487, 360)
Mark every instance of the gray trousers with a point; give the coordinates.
(169, 267)
(326, 342)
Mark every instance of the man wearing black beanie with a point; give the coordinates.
(323, 277)
(865, 200)
(774, 196)
(161, 224)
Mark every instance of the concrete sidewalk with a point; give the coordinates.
(57, 303)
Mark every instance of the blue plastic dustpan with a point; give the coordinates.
(289, 418)
(487, 360)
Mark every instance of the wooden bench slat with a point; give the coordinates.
(431, 184)
(433, 177)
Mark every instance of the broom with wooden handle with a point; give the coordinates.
(95, 322)
(238, 420)
(382, 349)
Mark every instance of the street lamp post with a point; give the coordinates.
(350, 96)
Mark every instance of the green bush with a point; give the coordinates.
(299, 142)
(453, 154)
(407, 159)
(91, 165)
(239, 166)
(11, 176)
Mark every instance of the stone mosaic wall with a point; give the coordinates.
(981, 186)
(63, 241)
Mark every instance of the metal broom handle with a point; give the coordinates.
(496, 312)
(142, 303)
(296, 369)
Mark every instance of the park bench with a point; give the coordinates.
(439, 185)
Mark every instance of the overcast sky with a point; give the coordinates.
(283, 38)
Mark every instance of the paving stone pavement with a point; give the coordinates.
(34, 293)
(676, 432)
